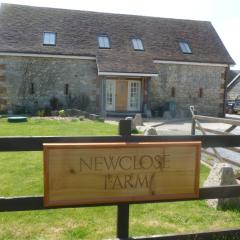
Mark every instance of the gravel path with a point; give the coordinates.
(183, 127)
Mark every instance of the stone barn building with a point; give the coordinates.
(109, 63)
(233, 86)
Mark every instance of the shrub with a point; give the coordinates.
(40, 112)
(3, 112)
(31, 107)
(135, 131)
(19, 110)
(47, 111)
(54, 103)
(62, 113)
(80, 102)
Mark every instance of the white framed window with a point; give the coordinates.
(110, 95)
(49, 38)
(103, 41)
(137, 44)
(185, 48)
(134, 88)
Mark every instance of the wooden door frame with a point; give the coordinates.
(141, 92)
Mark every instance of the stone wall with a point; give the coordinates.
(234, 91)
(34, 81)
(187, 81)
(3, 88)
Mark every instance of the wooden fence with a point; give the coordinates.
(36, 202)
(215, 153)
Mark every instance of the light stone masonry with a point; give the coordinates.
(32, 81)
(187, 80)
(48, 77)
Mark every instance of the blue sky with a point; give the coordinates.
(224, 14)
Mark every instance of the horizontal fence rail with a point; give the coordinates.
(234, 163)
(217, 120)
(9, 144)
(215, 154)
(36, 202)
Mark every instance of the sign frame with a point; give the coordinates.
(145, 198)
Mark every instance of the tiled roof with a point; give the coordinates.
(134, 62)
(22, 27)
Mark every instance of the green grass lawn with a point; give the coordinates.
(21, 174)
(42, 127)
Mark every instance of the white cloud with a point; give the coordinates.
(230, 35)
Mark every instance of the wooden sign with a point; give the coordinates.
(92, 173)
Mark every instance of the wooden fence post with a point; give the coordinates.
(123, 208)
(124, 128)
(193, 112)
(193, 131)
(123, 221)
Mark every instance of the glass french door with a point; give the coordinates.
(123, 95)
(110, 95)
(134, 88)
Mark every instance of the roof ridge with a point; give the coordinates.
(108, 13)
